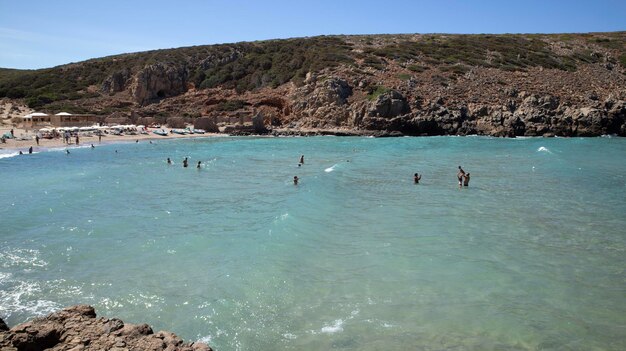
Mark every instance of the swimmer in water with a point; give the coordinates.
(199, 164)
(169, 162)
(295, 180)
(67, 152)
(467, 179)
(93, 147)
(302, 159)
(416, 178)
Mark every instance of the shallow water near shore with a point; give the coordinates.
(532, 255)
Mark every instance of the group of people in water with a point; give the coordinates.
(464, 177)
(185, 162)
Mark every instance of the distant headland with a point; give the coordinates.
(409, 84)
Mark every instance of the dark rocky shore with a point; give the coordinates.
(77, 328)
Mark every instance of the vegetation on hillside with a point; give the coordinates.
(275, 62)
(253, 65)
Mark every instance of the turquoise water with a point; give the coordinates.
(356, 257)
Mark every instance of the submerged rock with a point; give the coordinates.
(76, 328)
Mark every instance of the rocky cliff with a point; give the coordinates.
(501, 85)
(77, 328)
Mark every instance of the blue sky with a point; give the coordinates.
(46, 33)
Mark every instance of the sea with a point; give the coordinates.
(530, 256)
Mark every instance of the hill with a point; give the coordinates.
(505, 85)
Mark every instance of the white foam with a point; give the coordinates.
(544, 149)
(21, 257)
(18, 298)
(206, 339)
(330, 169)
(7, 155)
(336, 327)
(289, 336)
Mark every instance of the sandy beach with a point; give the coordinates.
(22, 145)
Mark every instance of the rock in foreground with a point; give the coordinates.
(77, 328)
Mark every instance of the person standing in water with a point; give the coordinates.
(295, 180)
(169, 162)
(30, 150)
(467, 179)
(416, 178)
(199, 165)
(185, 162)
(460, 176)
(302, 159)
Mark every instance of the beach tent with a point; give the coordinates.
(37, 114)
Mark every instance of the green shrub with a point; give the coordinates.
(375, 92)
(374, 62)
(404, 76)
(417, 68)
(230, 105)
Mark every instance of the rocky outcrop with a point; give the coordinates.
(388, 105)
(259, 124)
(176, 122)
(77, 328)
(206, 123)
(158, 81)
(322, 102)
(534, 115)
(116, 82)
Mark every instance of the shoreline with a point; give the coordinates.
(16, 145)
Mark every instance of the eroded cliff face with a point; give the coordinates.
(77, 328)
(158, 81)
(538, 102)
